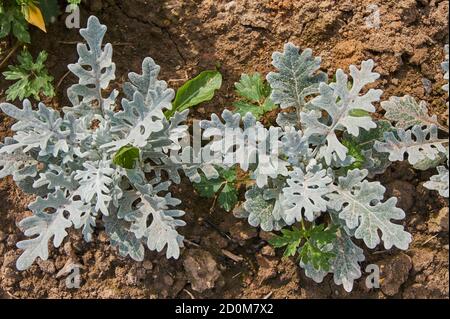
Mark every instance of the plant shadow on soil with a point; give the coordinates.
(185, 37)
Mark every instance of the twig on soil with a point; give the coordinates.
(11, 295)
(187, 241)
(236, 275)
(428, 240)
(216, 196)
(380, 252)
(209, 223)
(9, 55)
(186, 77)
(232, 256)
(62, 79)
(268, 295)
(189, 293)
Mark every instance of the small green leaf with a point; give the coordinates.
(323, 236)
(228, 197)
(289, 238)
(224, 187)
(363, 143)
(252, 87)
(195, 91)
(311, 254)
(358, 113)
(315, 249)
(208, 187)
(228, 175)
(31, 77)
(254, 93)
(126, 156)
(355, 151)
(12, 20)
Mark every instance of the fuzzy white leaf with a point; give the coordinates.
(305, 195)
(264, 208)
(425, 144)
(94, 184)
(16, 163)
(46, 226)
(359, 205)
(94, 69)
(298, 76)
(406, 112)
(339, 101)
(439, 182)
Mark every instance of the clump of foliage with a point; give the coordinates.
(316, 173)
(253, 94)
(223, 188)
(31, 77)
(110, 162)
(12, 20)
(94, 164)
(15, 15)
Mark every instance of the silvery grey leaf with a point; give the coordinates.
(416, 142)
(251, 145)
(298, 76)
(46, 226)
(294, 145)
(56, 178)
(439, 182)
(359, 203)
(154, 91)
(313, 273)
(152, 218)
(427, 163)
(287, 119)
(94, 184)
(340, 102)
(43, 129)
(94, 69)
(262, 210)
(142, 122)
(345, 265)
(122, 238)
(134, 125)
(305, 193)
(406, 112)
(18, 164)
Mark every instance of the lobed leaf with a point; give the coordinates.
(298, 76)
(425, 144)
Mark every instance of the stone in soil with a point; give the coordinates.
(201, 269)
(439, 221)
(394, 273)
(404, 191)
(267, 268)
(242, 231)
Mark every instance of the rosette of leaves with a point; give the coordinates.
(101, 160)
(311, 173)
